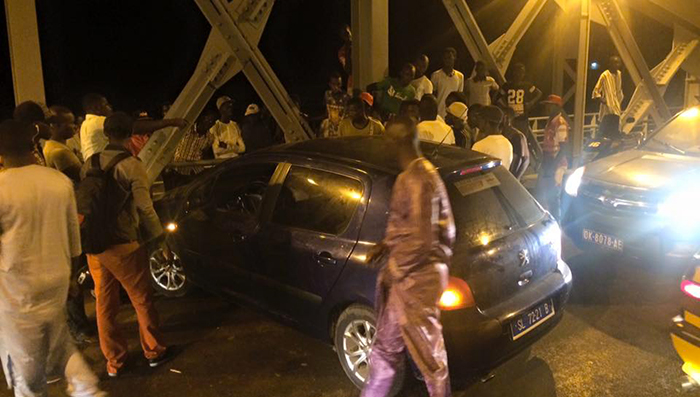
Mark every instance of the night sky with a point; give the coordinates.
(141, 53)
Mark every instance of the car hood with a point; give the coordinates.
(643, 169)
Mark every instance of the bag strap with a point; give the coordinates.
(116, 160)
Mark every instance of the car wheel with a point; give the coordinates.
(353, 337)
(168, 276)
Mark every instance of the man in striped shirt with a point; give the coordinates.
(195, 142)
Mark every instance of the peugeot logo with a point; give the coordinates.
(524, 257)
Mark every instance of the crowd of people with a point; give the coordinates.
(60, 175)
(74, 192)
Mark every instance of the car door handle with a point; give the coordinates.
(325, 258)
(525, 278)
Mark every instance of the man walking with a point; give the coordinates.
(419, 238)
(447, 79)
(40, 236)
(125, 261)
(608, 89)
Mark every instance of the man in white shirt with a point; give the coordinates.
(447, 79)
(430, 128)
(490, 140)
(92, 137)
(228, 141)
(481, 86)
(40, 236)
(422, 83)
(608, 89)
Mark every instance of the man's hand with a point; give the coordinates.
(179, 123)
(165, 251)
(377, 253)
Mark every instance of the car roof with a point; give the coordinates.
(378, 153)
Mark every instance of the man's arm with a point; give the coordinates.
(598, 89)
(536, 94)
(147, 127)
(140, 191)
(73, 226)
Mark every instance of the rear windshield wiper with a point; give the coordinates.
(668, 145)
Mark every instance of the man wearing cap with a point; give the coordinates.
(254, 131)
(430, 128)
(228, 141)
(491, 140)
(554, 155)
(357, 122)
(456, 118)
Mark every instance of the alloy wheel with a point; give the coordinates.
(168, 274)
(357, 346)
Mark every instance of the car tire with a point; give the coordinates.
(353, 337)
(168, 277)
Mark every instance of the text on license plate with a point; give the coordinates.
(603, 239)
(531, 319)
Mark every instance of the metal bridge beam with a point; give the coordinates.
(503, 47)
(581, 79)
(624, 41)
(473, 38)
(231, 48)
(227, 17)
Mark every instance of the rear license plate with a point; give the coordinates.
(602, 239)
(531, 319)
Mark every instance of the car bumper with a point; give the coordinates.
(685, 336)
(643, 235)
(481, 340)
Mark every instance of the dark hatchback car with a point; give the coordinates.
(287, 230)
(641, 202)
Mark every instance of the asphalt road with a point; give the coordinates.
(613, 341)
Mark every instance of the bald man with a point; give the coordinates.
(418, 242)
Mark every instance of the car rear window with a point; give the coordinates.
(488, 204)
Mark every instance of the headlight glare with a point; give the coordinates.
(574, 181)
(681, 211)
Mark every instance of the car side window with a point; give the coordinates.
(317, 200)
(241, 189)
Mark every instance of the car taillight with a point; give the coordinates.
(691, 289)
(457, 295)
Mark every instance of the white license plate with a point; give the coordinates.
(531, 319)
(604, 240)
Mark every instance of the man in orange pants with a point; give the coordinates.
(125, 262)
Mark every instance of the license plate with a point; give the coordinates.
(531, 319)
(602, 239)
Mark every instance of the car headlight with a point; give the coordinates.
(681, 211)
(574, 181)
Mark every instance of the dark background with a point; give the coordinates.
(141, 53)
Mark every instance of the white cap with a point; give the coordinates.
(252, 109)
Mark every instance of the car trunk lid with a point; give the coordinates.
(505, 241)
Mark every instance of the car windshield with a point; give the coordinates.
(487, 205)
(680, 136)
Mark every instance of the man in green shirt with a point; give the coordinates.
(394, 91)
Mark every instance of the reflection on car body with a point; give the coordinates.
(288, 230)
